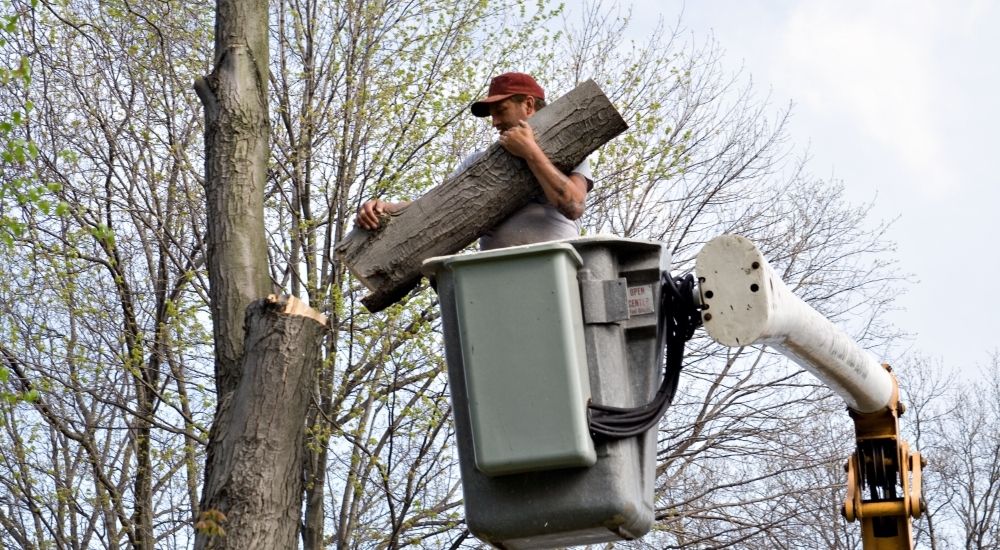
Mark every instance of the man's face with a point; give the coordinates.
(508, 113)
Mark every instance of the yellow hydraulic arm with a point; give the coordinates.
(883, 478)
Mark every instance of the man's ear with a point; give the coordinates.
(529, 102)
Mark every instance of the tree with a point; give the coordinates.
(97, 285)
(253, 481)
(371, 101)
(955, 423)
(704, 156)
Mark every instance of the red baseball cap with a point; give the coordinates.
(504, 86)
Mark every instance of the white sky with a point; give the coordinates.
(899, 100)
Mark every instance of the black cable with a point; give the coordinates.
(679, 316)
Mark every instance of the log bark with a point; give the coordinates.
(454, 214)
(255, 498)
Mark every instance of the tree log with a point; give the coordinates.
(457, 212)
(254, 500)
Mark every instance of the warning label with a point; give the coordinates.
(640, 300)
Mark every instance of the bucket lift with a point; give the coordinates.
(534, 335)
(548, 342)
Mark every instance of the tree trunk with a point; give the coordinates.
(236, 155)
(255, 496)
(253, 471)
(236, 151)
(314, 472)
(454, 214)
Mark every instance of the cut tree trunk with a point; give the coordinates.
(252, 496)
(454, 214)
(255, 498)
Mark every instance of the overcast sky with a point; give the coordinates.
(899, 100)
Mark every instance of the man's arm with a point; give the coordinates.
(567, 193)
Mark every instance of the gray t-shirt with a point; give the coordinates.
(538, 221)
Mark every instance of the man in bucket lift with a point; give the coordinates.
(511, 100)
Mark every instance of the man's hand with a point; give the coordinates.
(567, 193)
(371, 212)
(520, 141)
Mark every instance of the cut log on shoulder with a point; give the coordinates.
(253, 495)
(454, 214)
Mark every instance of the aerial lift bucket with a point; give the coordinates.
(532, 335)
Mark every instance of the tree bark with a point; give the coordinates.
(455, 213)
(256, 496)
(253, 471)
(314, 472)
(237, 149)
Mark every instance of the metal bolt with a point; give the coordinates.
(755, 265)
(708, 316)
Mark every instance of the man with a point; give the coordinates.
(511, 100)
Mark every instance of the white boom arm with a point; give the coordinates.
(746, 303)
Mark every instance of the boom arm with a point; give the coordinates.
(745, 303)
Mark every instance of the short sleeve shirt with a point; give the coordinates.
(538, 221)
